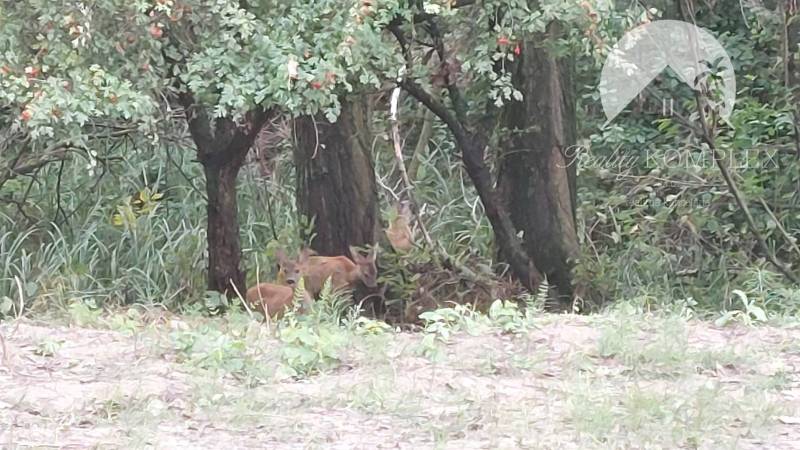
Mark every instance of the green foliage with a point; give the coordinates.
(750, 312)
(48, 347)
(655, 216)
(312, 341)
(309, 350)
(507, 316)
(121, 219)
(84, 313)
(236, 351)
(364, 326)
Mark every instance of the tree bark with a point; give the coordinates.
(221, 146)
(792, 21)
(336, 179)
(505, 233)
(224, 251)
(537, 177)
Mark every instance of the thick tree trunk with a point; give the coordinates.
(336, 179)
(224, 252)
(792, 21)
(537, 174)
(222, 145)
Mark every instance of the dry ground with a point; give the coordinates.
(610, 381)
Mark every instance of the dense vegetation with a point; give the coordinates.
(146, 145)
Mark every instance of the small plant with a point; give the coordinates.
(128, 322)
(48, 347)
(236, 352)
(366, 326)
(507, 316)
(6, 306)
(84, 313)
(750, 313)
(309, 349)
(332, 305)
(215, 302)
(444, 322)
(311, 342)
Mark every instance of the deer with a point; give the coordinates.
(274, 299)
(344, 272)
(399, 232)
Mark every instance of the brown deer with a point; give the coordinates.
(343, 271)
(273, 300)
(399, 231)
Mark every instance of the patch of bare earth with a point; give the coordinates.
(557, 386)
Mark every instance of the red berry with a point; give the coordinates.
(502, 40)
(156, 32)
(517, 49)
(316, 85)
(26, 115)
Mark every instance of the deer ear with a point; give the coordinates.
(280, 255)
(305, 253)
(355, 254)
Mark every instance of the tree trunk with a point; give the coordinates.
(224, 252)
(537, 176)
(792, 24)
(336, 179)
(221, 146)
(505, 234)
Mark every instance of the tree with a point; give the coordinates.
(472, 107)
(537, 170)
(221, 147)
(222, 66)
(335, 178)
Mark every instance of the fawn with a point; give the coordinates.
(343, 272)
(399, 231)
(274, 299)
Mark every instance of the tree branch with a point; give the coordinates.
(437, 107)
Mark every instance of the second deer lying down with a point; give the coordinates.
(274, 299)
(343, 272)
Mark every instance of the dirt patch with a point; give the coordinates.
(557, 386)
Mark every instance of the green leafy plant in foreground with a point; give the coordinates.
(312, 342)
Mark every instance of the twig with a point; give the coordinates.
(780, 226)
(186, 177)
(422, 144)
(59, 208)
(21, 297)
(271, 216)
(398, 154)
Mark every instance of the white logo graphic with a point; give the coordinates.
(644, 52)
